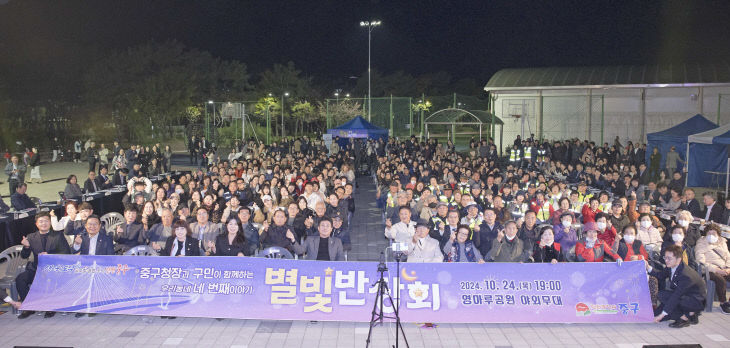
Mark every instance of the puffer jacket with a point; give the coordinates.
(714, 256)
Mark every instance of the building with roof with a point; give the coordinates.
(600, 103)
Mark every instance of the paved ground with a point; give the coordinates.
(122, 331)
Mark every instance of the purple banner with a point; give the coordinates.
(259, 288)
(350, 133)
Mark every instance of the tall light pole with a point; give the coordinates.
(370, 25)
(283, 134)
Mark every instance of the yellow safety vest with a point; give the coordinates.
(514, 155)
(544, 213)
(390, 202)
(528, 152)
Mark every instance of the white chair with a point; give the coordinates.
(141, 250)
(112, 219)
(14, 266)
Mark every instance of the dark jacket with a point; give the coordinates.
(192, 247)
(56, 244)
(117, 180)
(276, 236)
(547, 254)
(104, 244)
(89, 186)
(20, 202)
(223, 248)
(694, 207)
(131, 235)
(3, 207)
(715, 213)
(686, 282)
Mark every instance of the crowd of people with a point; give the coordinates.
(296, 198)
(561, 201)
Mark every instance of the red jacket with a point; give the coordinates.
(595, 254)
(609, 236)
(588, 214)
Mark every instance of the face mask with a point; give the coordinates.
(413, 182)
(712, 239)
(683, 223)
(567, 223)
(677, 237)
(629, 238)
(645, 224)
(601, 225)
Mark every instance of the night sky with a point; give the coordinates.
(467, 39)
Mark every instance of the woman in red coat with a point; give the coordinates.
(606, 233)
(592, 249)
(590, 210)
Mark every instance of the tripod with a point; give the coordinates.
(378, 315)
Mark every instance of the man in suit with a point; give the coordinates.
(92, 185)
(129, 233)
(643, 175)
(120, 178)
(323, 247)
(202, 229)
(713, 211)
(690, 203)
(685, 298)
(104, 181)
(423, 248)
(15, 172)
(19, 200)
(91, 241)
(44, 241)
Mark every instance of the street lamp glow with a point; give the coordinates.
(347, 95)
(210, 102)
(337, 94)
(370, 25)
(286, 94)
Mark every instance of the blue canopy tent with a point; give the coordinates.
(708, 157)
(358, 127)
(677, 137)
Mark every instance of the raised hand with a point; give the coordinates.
(25, 242)
(78, 239)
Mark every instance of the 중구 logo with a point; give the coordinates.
(582, 310)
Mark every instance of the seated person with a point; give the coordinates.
(3, 207)
(685, 298)
(276, 234)
(507, 247)
(711, 251)
(678, 235)
(129, 233)
(232, 242)
(403, 231)
(592, 249)
(91, 184)
(565, 233)
(648, 234)
(323, 247)
(19, 200)
(181, 243)
(423, 248)
(93, 241)
(72, 190)
(459, 248)
(547, 250)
